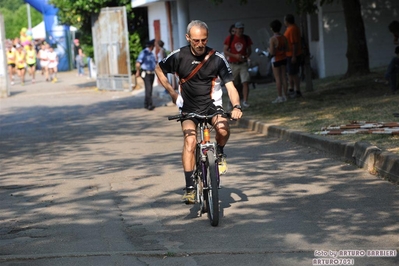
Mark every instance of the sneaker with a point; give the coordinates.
(222, 164)
(189, 196)
(245, 104)
(291, 92)
(284, 98)
(278, 100)
(54, 80)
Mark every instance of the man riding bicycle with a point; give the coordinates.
(198, 68)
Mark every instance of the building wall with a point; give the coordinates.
(328, 51)
(156, 11)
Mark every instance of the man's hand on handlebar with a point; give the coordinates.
(236, 113)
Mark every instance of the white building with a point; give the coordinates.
(327, 32)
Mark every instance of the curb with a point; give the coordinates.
(362, 154)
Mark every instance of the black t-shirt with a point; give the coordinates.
(76, 49)
(197, 91)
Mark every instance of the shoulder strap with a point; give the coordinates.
(231, 41)
(211, 52)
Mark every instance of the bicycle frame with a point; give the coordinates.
(202, 155)
(206, 173)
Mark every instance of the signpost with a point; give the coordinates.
(4, 88)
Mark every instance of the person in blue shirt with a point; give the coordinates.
(392, 72)
(145, 67)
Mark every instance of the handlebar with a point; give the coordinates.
(195, 115)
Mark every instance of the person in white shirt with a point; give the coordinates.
(53, 63)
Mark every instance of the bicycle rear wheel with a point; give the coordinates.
(212, 201)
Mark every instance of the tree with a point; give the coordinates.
(11, 5)
(15, 18)
(357, 52)
(79, 14)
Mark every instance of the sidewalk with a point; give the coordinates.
(371, 158)
(364, 155)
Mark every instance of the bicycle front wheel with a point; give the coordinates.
(212, 201)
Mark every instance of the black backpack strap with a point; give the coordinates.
(231, 40)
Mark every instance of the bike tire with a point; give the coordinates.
(212, 201)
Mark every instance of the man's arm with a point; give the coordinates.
(226, 52)
(236, 113)
(165, 83)
(249, 51)
(138, 66)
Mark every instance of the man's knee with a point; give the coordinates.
(222, 128)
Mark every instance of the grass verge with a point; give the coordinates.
(333, 101)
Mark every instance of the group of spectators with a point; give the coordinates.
(23, 55)
(285, 52)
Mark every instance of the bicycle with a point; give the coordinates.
(206, 173)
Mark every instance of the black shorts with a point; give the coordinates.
(293, 69)
(280, 63)
(31, 65)
(12, 65)
(210, 111)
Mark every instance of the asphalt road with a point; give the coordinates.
(91, 178)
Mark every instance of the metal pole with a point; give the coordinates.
(29, 18)
(4, 77)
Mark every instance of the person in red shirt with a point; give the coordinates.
(278, 49)
(294, 55)
(237, 48)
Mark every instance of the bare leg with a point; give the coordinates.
(222, 130)
(190, 139)
(11, 74)
(284, 79)
(245, 91)
(277, 77)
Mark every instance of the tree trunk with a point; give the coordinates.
(306, 53)
(357, 52)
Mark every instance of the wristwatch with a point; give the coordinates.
(237, 106)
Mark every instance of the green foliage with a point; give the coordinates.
(135, 48)
(11, 5)
(308, 6)
(16, 18)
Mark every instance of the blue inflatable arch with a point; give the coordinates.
(58, 36)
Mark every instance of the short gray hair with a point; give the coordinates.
(197, 23)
